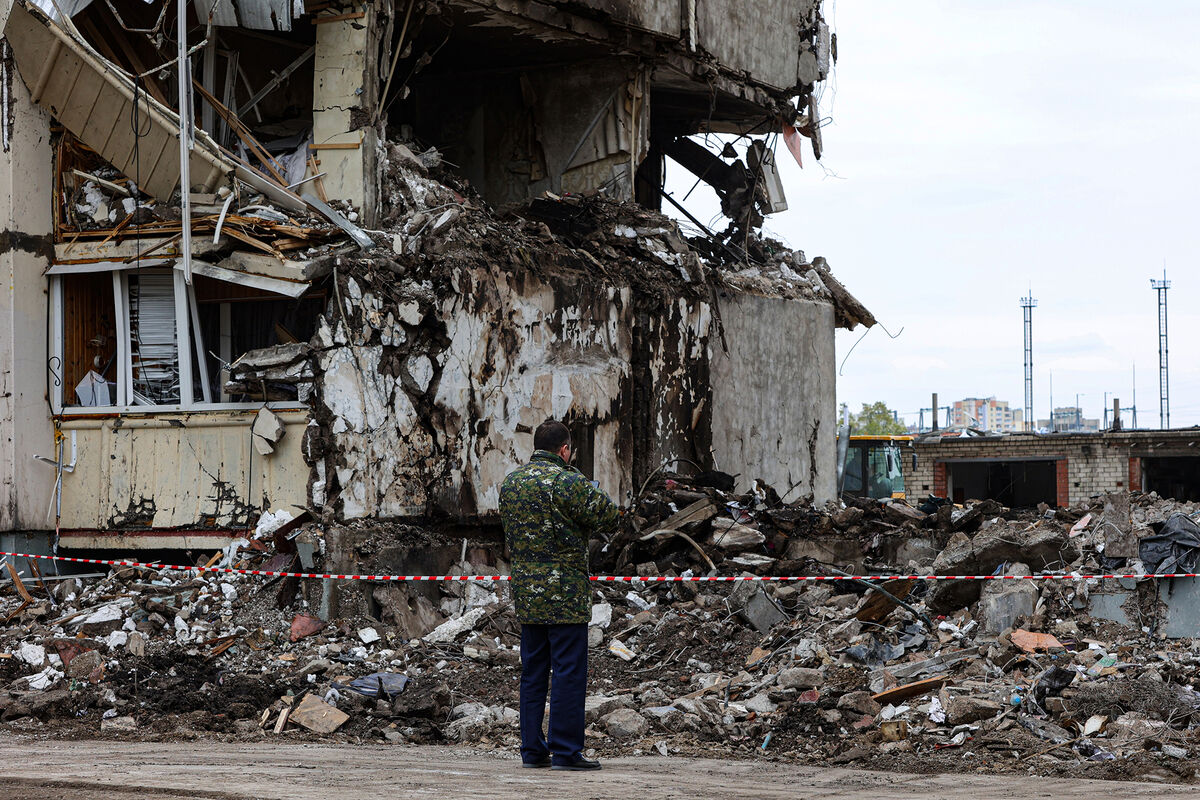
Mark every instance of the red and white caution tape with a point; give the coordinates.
(599, 578)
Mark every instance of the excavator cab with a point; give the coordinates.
(873, 466)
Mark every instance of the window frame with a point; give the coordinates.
(189, 345)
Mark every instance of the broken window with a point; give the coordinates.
(89, 339)
(237, 319)
(145, 339)
(153, 347)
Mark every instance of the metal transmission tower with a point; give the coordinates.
(1028, 304)
(1164, 402)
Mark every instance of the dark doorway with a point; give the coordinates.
(1177, 477)
(1016, 484)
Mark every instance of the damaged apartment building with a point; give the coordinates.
(349, 257)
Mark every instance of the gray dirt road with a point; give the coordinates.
(113, 770)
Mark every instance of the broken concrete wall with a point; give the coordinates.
(515, 134)
(672, 386)
(773, 395)
(26, 222)
(426, 402)
(426, 397)
(345, 96)
(195, 472)
(757, 38)
(761, 41)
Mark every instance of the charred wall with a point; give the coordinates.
(426, 398)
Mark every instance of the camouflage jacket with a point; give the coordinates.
(549, 511)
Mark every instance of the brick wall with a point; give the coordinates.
(1135, 474)
(1086, 465)
(1062, 482)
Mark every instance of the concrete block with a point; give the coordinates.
(1001, 602)
(762, 613)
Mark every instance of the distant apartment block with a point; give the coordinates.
(1069, 419)
(986, 413)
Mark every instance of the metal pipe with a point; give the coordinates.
(185, 141)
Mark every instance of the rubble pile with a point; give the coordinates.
(1018, 676)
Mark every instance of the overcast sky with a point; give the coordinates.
(974, 149)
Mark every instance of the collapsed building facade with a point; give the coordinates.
(409, 233)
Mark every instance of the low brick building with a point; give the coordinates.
(1060, 469)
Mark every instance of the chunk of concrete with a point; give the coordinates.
(601, 615)
(761, 703)
(733, 537)
(761, 612)
(964, 710)
(84, 664)
(451, 629)
(625, 723)
(267, 430)
(984, 553)
(860, 702)
(595, 637)
(599, 705)
(1001, 602)
(1116, 528)
(800, 678)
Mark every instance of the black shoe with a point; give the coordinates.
(543, 763)
(577, 764)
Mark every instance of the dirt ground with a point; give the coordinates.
(106, 770)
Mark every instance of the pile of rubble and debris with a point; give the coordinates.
(913, 674)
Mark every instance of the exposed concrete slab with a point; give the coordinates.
(1179, 599)
(345, 54)
(773, 395)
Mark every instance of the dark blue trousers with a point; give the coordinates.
(561, 651)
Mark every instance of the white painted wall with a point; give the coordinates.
(25, 209)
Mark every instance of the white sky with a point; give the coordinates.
(973, 149)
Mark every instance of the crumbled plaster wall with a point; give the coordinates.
(672, 385)
(26, 187)
(425, 402)
(345, 95)
(426, 398)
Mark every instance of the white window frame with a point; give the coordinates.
(187, 347)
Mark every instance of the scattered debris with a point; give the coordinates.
(689, 665)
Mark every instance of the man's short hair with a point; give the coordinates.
(550, 436)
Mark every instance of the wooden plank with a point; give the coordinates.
(879, 605)
(336, 146)
(318, 183)
(338, 18)
(318, 716)
(250, 240)
(282, 722)
(698, 511)
(242, 132)
(154, 248)
(899, 694)
(18, 584)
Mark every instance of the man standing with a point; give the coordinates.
(550, 510)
